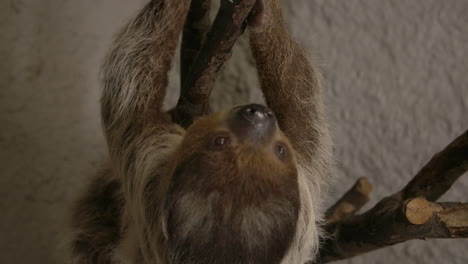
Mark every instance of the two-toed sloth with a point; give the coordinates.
(243, 185)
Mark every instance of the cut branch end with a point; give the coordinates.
(418, 211)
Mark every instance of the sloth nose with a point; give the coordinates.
(257, 114)
(253, 122)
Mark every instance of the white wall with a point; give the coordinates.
(396, 89)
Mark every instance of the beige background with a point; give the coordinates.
(396, 90)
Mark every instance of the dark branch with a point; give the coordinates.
(438, 175)
(196, 89)
(353, 200)
(408, 214)
(195, 28)
(392, 222)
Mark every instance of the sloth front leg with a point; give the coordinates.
(140, 136)
(134, 75)
(135, 79)
(289, 81)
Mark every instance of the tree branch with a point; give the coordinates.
(229, 24)
(408, 214)
(392, 222)
(195, 28)
(438, 175)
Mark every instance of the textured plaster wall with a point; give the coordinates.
(395, 86)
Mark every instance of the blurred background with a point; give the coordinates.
(395, 88)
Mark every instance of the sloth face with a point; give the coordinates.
(233, 195)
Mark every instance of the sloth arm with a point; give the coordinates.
(290, 83)
(140, 136)
(135, 78)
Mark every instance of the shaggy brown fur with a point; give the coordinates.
(213, 193)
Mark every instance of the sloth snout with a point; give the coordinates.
(253, 122)
(257, 114)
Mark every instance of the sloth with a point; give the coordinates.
(242, 185)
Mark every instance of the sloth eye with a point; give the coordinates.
(220, 142)
(281, 151)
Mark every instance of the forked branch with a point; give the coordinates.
(408, 214)
(393, 222)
